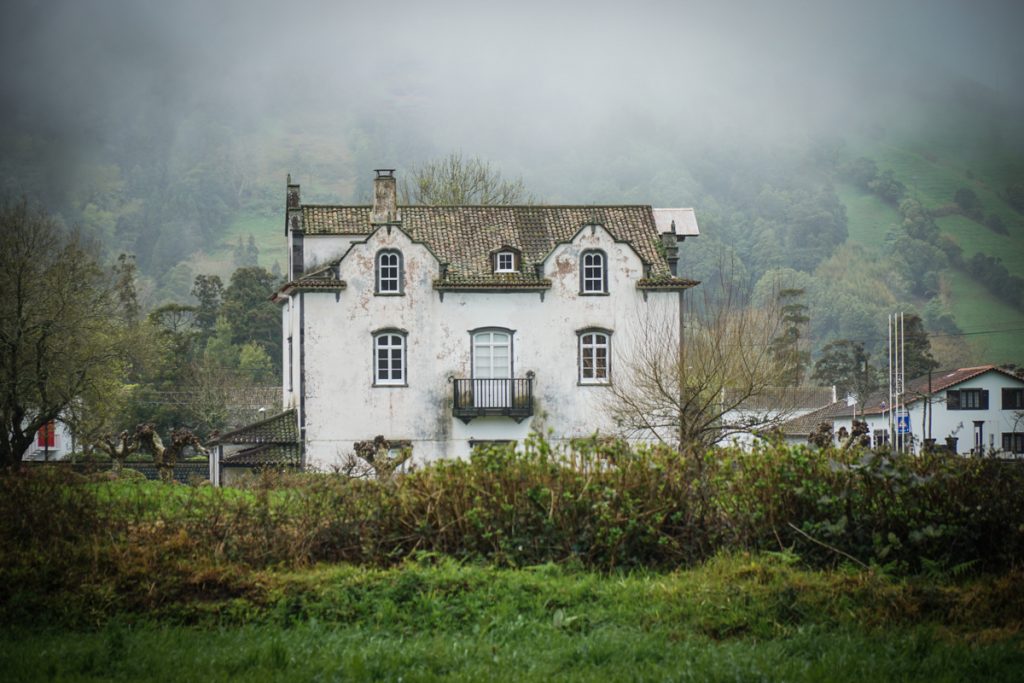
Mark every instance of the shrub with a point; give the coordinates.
(969, 203)
(122, 543)
(995, 223)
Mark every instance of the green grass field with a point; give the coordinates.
(736, 618)
(974, 238)
(868, 218)
(267, 230)
(978, 314)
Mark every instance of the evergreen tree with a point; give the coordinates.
(124, 284)
(845, 365)
(917, 348)
(252, 252)
(249, 313)
(786, 348)
(209, 290)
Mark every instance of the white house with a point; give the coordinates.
(53, 442)
(442, 327)
(768, 409)
(969, 410)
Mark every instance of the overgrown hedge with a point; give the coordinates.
(599, 505)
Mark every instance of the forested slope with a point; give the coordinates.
(924, 217)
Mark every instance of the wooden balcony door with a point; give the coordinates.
(492, 360)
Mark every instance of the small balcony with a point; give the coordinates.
(493, 397)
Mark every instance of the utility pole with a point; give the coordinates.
(897, 388)
(682, 366)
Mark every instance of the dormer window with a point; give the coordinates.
(505, 260)
(389, 272)
(593, 272)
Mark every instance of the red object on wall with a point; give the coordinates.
(47, 437)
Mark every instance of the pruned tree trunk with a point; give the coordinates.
(119, 449)
(166, 457)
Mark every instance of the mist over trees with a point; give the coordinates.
(169, 134)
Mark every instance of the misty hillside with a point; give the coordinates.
(871, 170)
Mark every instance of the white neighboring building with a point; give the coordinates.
(447, 326)
(771, 408)
(52, 442)
(970, 410)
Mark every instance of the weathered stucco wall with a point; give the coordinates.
(342, 405)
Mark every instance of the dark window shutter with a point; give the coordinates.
(1013, 399)
(984, 399)
(953, 400)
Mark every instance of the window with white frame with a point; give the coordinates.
(389, 358)
(505, 262)
(593, 273)
(595, 347)
(1013, 442)
(389, 272)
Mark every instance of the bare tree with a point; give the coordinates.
(455, 180)
(60, 341)
(694, 389)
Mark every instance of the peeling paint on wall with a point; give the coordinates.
(342, 404)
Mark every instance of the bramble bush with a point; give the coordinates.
(124, 543)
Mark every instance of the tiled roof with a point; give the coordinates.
(784, 399)
(313, 282)
(496, 281)
(805, 424)
(278, 429)
(940, 381)
(666, 283)
(335, 220)
(464, 236)
(270, 454)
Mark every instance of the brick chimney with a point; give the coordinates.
(385, 197)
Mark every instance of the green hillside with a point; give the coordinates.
(980, 316)
(869, 219)
(934, 179)
(932, 174)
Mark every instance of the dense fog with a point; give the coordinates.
(523, 84)
(798, 130)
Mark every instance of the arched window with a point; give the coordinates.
(593, 272)
(389, 361)
(595, 356)
(389, 272)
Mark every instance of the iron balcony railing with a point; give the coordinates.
(483, 397)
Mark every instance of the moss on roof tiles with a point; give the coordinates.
(666, 282)
(270, 454)
(277, 429)
(464, 236)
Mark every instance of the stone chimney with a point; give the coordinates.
(293, 225)
(670, 243)
(385, 197)
(292, 207)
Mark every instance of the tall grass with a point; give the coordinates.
(737, 617)
(126, 544)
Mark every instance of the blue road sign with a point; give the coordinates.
(903, 424)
